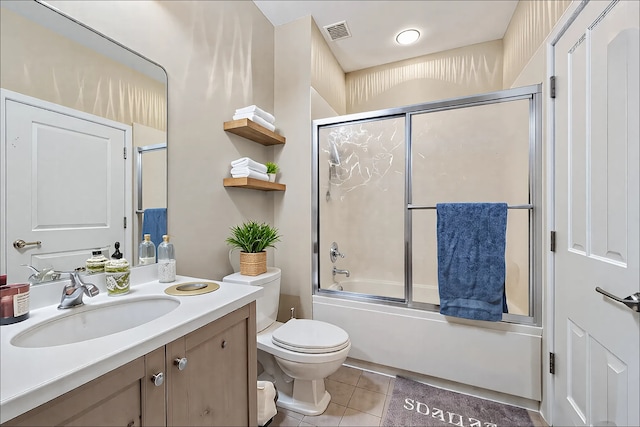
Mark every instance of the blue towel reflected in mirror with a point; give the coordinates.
(154, 222)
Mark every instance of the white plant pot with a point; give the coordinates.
(272, 177)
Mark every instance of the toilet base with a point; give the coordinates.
(309, 397)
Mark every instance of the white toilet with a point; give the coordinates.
(297, 355)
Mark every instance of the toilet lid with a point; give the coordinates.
(310, 336)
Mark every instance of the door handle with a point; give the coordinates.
(632, 301)
(19, 244)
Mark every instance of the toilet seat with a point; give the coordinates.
(310, 337)
(266, 344)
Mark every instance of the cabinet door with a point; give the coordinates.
(218, 385)
(154, 402)
(114, 399)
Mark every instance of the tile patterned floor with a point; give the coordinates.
(358, 398)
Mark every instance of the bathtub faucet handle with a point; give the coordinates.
(292, 311)
(334, 252)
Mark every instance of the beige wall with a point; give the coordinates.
(530, 24)
(458, 72)
(293, 208)
(218, 57)
(534, 72)
(327, 76)
(41, 63)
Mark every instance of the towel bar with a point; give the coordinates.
(410, 206)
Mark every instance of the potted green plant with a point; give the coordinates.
(272, 170)
(252, 239)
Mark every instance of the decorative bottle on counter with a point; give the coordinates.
(166, 261)
(116, 272)
(147, 251)
(96, 263)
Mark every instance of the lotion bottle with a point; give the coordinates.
(166, 261)
(147, 251)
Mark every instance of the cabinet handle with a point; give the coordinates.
(157, 379)
(224, 344)
(181, 363)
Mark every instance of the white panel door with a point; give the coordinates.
(65, 185)
(597, 185)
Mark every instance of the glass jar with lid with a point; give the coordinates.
(117, 274)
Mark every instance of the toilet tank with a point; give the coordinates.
(267, 304)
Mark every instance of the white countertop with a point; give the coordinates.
(30, 377)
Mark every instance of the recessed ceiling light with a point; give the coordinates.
(408, 36)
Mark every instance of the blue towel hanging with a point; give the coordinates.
(154, 222)
(471, 263)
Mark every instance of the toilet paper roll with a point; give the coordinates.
(266, 402)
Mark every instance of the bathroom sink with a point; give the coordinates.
(89, 322)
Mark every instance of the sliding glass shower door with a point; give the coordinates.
(378, 177)
(473, 154)
(361, 181)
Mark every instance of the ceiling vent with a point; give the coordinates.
(338, 31)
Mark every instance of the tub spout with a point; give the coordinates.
(339, 271)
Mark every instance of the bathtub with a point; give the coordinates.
(498, 356)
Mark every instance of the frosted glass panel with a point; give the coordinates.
(361, 171)
(425, 259)
(474, 154)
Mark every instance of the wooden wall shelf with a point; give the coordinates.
(254, 184)
(253, 131)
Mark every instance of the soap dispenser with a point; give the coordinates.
(147, 251)
(166, 261)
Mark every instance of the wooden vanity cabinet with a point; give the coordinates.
(216, 387)
(116, 398)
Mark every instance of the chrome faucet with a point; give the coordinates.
(72, 292)
(47, 274)
(339, 271)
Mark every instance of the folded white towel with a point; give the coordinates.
(246, 162)
(257, 119)
(258, 112)
(248, 173)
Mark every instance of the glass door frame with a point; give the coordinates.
(533, 93)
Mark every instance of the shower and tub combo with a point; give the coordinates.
(387, 170)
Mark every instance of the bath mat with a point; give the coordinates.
(416, 404)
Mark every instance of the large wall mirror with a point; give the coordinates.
(84, 147)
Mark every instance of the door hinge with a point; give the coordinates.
(125, 152)
(552, 363)
(552, 86)
(552, 241)
(125, 222)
